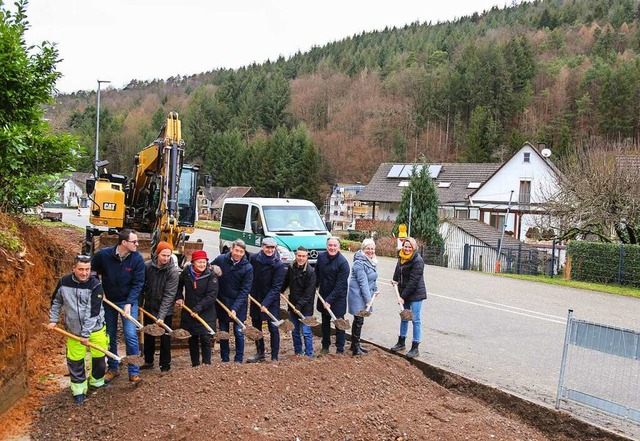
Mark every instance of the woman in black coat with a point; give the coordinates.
(198, 289)
(409, 278)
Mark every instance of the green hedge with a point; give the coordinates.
(600, 263)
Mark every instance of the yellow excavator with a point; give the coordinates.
(159, 201)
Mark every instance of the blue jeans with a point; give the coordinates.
(415, 308)
(130, 335)
(224, 344)
(296, 336)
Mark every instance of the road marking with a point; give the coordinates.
(521, 309)
(561, 322)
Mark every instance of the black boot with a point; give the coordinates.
(414, 350)
(259, 352)
(400, 346)
(356, 330)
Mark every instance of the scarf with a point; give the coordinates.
(404, 258)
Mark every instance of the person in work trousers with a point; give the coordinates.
(332, 274)
(409, 276)
(158, 295)
(81, 295)
(198, 290)
(235, 283)
(362, 288)
(301, 281)
(268, 277)
(121, 269)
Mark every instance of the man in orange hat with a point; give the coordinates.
(158, 295)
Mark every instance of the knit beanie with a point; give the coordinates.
(162, 245)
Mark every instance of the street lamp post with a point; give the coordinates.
(95, 164)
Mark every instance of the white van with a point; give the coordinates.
(291, 222)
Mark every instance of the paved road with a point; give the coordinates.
(499, 331)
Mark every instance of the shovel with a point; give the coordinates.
(251, 332)
(309, 321)
(219, 336)
(405, 314)
(341, 324)
(285, 326)
(124, 314)
(367, 312)
(157, 330)
(135, 360)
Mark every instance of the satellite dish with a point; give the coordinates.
(546, 153)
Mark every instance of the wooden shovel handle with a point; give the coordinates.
(375, 294)
(228, 311)
(260, 306)
(155, 319)
(124, 314)
(297, 311)
(333, 316)
(90, 344)
(200, 319)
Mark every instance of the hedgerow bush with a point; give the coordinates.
(600, 262)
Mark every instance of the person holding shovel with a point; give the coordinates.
(332, 274)
(158, 295)
(198, 290)
(362, 286)
(81, 295)
(409, 278)
(301, 281)
(121, 269)
(235, 284)
(268, 277)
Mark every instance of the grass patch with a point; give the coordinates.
(34, 220)
(208, 225)
(609, 289)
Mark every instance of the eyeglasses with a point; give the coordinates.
(134, 241)
(270, 247)
(83, 258)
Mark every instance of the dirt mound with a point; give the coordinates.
(379, 396)
(31, 260)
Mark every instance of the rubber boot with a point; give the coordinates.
(356, 330)
(259, 352)
(400, 346)
(414, 350)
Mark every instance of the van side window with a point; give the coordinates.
(234, 216)
(255, 216)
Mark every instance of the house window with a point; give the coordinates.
(462, 214)
(496, 221)
(525, 192)
(527, 157)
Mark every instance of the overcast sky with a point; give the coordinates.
(121, 40)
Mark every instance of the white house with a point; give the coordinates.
(474, 191)
(341, 209)
(73, 192)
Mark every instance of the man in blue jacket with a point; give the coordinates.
(268, 277)
(121, 269)
(332, 274)
(233, 290)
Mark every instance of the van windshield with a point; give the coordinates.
(286, 218)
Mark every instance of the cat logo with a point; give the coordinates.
(109, 206)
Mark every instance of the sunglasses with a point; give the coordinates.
(83, 258)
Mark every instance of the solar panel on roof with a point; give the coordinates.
(408, 170)
(395, 171)
(434, 170)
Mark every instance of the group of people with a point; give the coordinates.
(218, 292)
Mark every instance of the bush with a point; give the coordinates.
(357, 236)
(600, 262)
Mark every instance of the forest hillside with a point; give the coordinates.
(561, 72)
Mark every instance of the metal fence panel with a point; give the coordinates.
(600, 368)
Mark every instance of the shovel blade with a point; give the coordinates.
(278, 322)
(310, 321)
(136, 360)
(180, 334)
(222, 335)
(154, 330)
(363, 313)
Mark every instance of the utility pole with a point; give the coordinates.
(410, 210)
(95, 162)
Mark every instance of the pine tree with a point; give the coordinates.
(421, 194)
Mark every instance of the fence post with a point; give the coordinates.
(620, 264)
(465, 256)
(519, 264)
(552, 271)
(564, 357)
